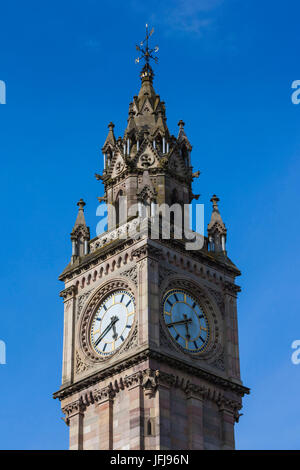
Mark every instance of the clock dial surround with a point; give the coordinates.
(186, 321)
(112, 323)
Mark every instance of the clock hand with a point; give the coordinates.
(115, 334)
(186, 327)
(180, 322)
(107, 329)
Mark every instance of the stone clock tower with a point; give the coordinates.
(150, 355)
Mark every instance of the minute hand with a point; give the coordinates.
(180, 322)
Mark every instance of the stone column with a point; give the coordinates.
(68, 295)
(195, 421)
(227, 428)
(136, 412)
(140, 257)
(104, 409)
(74, 419)
(151, 410)
(165, 417)
(231, 341)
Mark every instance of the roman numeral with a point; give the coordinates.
(105, 308)
(203, 340)
(128, 326)
(201, 316)
(195, 345)
(104, 347)
(177, 337)
(128, 303)
(122, 338)
(122, 298)
(98, 318)
(176, 297)
(169, 303)
(194, 305)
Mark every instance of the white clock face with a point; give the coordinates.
(112, 323)
(186, 321)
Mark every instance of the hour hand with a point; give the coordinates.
(107, 329)
(115, 334)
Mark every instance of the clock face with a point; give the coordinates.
(186, 321)
(112, 323)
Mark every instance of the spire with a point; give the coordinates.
(80, 234)
(146, 145)
(182, 137)
(80, 220)
(216, 228)
(147, 104)
(181, 132)
(110, 139)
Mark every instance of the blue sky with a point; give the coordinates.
(226, 69)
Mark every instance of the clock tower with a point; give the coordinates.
(150, 354)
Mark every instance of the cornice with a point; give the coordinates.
(151, 380)
(93, 258)
(110, 371)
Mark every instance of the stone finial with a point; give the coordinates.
(80, 234)
(80, 220)
(216, 228)
(181, 124)
(81, 204)
(110, 139)
(215, 201)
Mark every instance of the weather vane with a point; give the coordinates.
(147, 53)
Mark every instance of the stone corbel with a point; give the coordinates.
(104, 394)
(149, 382)
(72, 409)
(68, 293)
(133, 380)
(231, 407)
(194, 391)
(231, 289)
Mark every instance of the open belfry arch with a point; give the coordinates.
(151, 353)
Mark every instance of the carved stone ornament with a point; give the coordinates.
(219, 297)
(231, 289)
(146, 160)
(221, 383)
(84, 328)
(214, 349)
(74, 408)
(130, 274)
(81, 366)
(147, 251)
(150, 380)
(80, 303)
(68, 293)
(164, 273)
